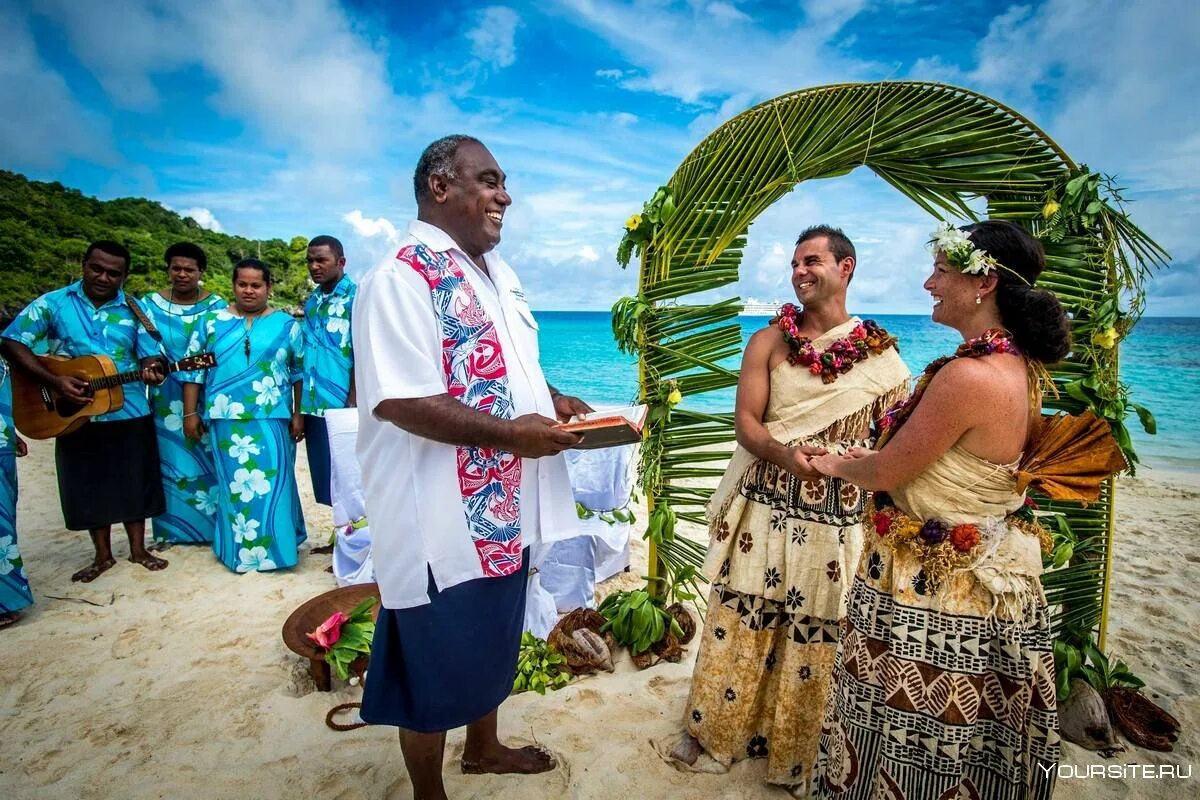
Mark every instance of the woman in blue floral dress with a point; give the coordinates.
(15, 594)
(189, 476)
(251, 406)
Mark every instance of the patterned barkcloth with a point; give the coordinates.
(945, 692)
(762, 673)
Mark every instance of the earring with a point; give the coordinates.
(978, 298)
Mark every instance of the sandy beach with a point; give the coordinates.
(177, 684)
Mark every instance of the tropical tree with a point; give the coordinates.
(46, 227)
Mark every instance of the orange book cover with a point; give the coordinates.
(608, 427)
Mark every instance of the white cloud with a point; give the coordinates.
(493, 40)
(685, 56)
(370, 228)
(727, 12)
(612, 74)
(124, 44)
(321, 84)
(1117, 86)
(203, 217)
(45, 125)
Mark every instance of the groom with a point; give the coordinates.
(784, 538)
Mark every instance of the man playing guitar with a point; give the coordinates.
(108, 470)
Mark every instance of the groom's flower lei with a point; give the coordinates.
(960, 253)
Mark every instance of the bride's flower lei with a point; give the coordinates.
(838, 358)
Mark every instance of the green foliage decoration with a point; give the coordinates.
(942, 147)
(1077, 656)
(539, 666)
(355, 639)
(640, 228)
(637, 619)
(1101, 260)
(46, 227)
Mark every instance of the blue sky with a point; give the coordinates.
(278, 118)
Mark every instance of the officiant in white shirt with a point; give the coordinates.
(460, 455)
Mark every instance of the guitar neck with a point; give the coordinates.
(122, 378)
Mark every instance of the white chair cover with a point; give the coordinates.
(601, 480)
(352, 547)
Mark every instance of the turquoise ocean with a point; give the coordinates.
(1160, 362)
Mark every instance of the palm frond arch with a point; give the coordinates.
(940, 146)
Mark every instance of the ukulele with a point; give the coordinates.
(41, 413)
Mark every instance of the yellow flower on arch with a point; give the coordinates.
(633, 222)
(1106, 338)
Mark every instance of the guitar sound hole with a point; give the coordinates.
(67, 408)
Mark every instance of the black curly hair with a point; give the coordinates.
(1036, 319)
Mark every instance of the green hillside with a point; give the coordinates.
(46, 227)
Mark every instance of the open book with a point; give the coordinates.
(608, 427)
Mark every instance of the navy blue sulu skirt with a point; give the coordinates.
(316, 444)
(450, 662)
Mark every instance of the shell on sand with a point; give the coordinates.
(1142, 721)
(1083, 719)
(667, 649)
(583, 657)
(593, 645)
(685, 619)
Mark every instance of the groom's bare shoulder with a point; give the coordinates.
(765, 350)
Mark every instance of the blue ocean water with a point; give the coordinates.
(1160, 361)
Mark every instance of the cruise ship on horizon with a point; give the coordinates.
(761, 308)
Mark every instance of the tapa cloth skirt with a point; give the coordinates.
(449, 662)
(108, 472)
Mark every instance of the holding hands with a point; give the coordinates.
(832, 464)
(800, 462)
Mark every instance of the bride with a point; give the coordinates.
(944, 685)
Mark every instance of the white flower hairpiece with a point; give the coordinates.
(959, 252)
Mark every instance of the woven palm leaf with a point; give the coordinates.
(940, 146)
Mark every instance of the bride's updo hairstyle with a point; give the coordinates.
(1033, 316)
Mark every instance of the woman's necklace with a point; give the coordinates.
(248, 323)
(993, 340)
(176, 308)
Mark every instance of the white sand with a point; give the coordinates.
(177, 683)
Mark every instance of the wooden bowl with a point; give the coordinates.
(312, 613)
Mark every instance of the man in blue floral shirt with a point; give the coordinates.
(328, 353)
(108, 470)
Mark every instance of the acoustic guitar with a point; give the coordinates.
(41, 413)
